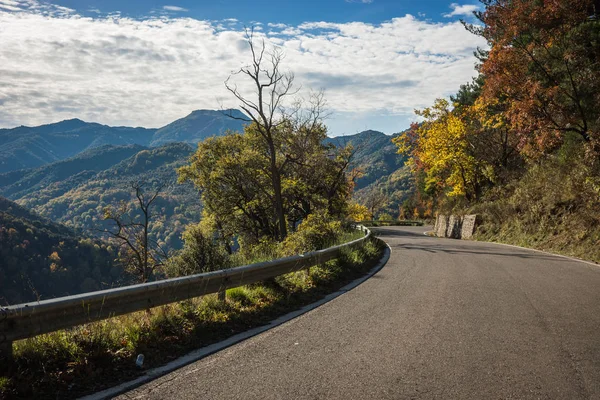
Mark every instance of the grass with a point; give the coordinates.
(71, 363)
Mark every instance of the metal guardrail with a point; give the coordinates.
(393, 223)
(31, 319)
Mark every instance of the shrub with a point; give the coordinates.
(316, 232)
(199, 254)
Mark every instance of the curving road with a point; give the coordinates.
(444, 319)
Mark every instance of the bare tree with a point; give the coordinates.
(140, 254)
(375, 200)
(264, 108)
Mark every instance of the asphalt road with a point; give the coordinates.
(444, 319)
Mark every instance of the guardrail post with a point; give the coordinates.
(6, 356)
(222, 295)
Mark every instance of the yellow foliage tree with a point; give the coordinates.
(358, 212)
(441, 147)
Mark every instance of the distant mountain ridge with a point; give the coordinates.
(199, 125)
(29, 147)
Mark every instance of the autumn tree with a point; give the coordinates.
(545, 61)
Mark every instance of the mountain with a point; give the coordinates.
(375, 155)
(42, 259)
(79, 200)
(28, 147)
(199, 125)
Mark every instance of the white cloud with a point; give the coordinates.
(175, 8)
(465, 9)
(278, 26)
(360, 1)
(42, 8)
(120, 71)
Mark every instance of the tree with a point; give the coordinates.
(545, 60)
(233, 175)
(272, 86)
(140, 255)
(263, 182)
(375, 200)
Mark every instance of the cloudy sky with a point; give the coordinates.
(147, 63)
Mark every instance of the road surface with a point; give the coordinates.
(444, 319)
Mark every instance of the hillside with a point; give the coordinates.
(376, 156)
(382, 167)
(42, 259)
(18, 184)
(197, 126)
(79, 200)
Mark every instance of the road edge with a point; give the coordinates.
(203, 352)
(592, 263)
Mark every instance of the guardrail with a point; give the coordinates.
(31, 319)
(401, 222)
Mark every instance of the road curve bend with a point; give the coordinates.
(444, 319)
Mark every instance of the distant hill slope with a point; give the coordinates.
(79, 200)
(42, 259)
(199, 125)
(376, 156)
(17, 184)
(28, 147)
(384, 170)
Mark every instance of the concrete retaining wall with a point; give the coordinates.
(455, 226)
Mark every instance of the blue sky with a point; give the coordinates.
(147, 63)
(283, 11)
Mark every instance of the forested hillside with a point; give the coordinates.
(520, 145)
(382, 173)
(374, 155)
(21, 183)
(80, 200)
(42, 259)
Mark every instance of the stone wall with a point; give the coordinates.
(455, 226)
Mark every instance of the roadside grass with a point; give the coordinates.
(89, 358)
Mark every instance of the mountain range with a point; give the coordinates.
(28, 147)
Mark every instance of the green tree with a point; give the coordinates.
(263, 108)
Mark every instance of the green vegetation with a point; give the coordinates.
(520, 145)
(63, 175)
(42, 259)
(379, 170)
(79, 202)
(68, 364)
(553, 207)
